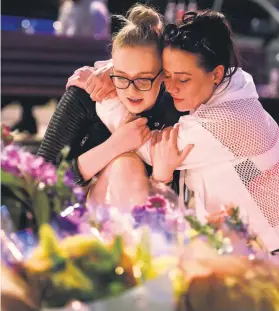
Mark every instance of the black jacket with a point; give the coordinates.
(75, 123)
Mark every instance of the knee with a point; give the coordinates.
(126, 165)
(123, 181)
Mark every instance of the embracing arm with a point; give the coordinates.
(190, 146)
(73, 110)
(126, 138)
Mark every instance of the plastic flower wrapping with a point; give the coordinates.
(63, 255)
(231, 283)
(63, 251)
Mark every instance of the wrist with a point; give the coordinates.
(166, 179)
(115, 146)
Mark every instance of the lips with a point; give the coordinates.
(135, 101)
(178, 100)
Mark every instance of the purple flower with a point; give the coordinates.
(70, 220)
(49, 174)
(18, 163)
(64, 225)
(74, 213)
(138, 212)
(69, 178)
(79, 194)
(156, 221)
(37, 168)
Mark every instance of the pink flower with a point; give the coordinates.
(157, 203)
(10, 160)
(37, 168)
(19, 163)
(6, 136)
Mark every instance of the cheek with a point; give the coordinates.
(121, 94)
(205, 89)
(201, 89)
(152, 95)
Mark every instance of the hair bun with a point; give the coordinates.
(187, 15)
(207, 23)
(143, 16)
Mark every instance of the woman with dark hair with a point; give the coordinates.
(235, 159)
(236, 154)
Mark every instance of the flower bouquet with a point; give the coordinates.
(81, 269)
(71, 262)
(158, 215)
(77, 257)
(33, 189)
(225, 266)
(227, 233)
(230, 283)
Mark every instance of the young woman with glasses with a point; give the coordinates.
(136, 54)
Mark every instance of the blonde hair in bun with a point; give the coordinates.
(144, 16)
(143, 26)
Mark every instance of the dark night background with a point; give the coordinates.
(240, 12)
(257, 37)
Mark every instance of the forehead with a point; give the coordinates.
(178, 60)
(132, 60)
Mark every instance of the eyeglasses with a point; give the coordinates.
(183, 37)
(141, 84)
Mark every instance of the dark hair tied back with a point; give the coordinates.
(188, 15)
(207, 34)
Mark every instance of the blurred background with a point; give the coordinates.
(44, 41)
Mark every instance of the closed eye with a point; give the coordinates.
(184, 81)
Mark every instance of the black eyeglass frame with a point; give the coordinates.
(132, 81)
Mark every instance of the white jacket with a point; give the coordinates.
(236, 155)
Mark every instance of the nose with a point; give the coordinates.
(171, 86)
(132, 90)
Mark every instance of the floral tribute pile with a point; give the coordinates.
(59, 252)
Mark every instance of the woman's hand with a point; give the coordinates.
(165, 155)
(130, 136)
(95, 81)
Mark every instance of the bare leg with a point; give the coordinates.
(123, 183)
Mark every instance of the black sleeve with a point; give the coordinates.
(73, 111)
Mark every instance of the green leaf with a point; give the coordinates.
(65, 152)
(61, 172)
(72, 278)
(117, 248)
(63, 167)
(57, 205)
(41, 206)
(20, 195)
(11, 180)
(143, 253)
